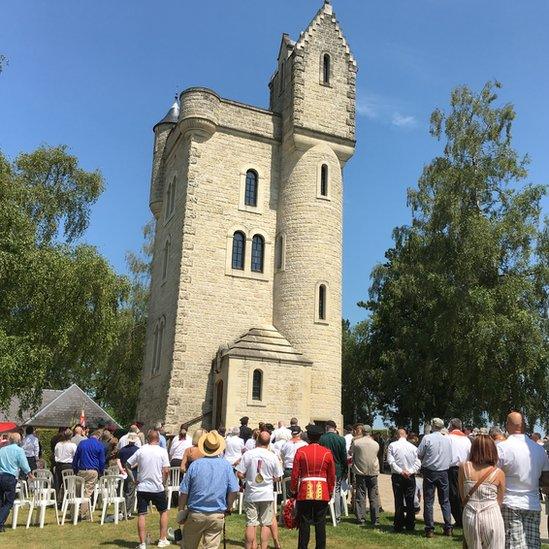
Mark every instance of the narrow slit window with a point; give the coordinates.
(326, 68)
(324, 180)
(257, 385)
(166, 259)
(258, 253)
(170, 199)
(250, 196)
(279, 244)
(322, 302)
(239, 244)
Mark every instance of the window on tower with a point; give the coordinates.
(157, 348)
(258, 253)
(239, 247)
(322, 302)
(166, 258)
(324, 180)
(250, 195)
(170, 199)
(257, 385)
(326, 68)
(279, 253)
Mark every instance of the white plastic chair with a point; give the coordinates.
(111, 488)
(74, 495)
(21, 500)
(344, 496)
(43, 474)
(331, 505)
(172, 486)
(42, 495)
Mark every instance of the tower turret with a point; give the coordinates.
(317, 104)
(161, 131)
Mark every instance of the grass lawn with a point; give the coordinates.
(86, 535)
(346, 536)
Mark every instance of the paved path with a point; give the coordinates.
(388, 504)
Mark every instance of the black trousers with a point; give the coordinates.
(312, 513)
(404, 490)
(455, 500)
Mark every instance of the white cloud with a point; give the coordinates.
(403, 121)
(367, 106)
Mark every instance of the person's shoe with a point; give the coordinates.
(429, 534)
(2, 529)
(397, 530)
(360, 522)
(142, 546)
(163, 543)
(448, 532)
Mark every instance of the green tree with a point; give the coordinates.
(459, 307)
(118, 389)
(360, 375)
(59, 302)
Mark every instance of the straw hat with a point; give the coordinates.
(211, 444)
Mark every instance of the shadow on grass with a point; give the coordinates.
(120, 543)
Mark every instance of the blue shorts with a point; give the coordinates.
(158, 499)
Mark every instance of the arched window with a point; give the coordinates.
(157, 350)
(170, 199)
(250, 195)
(258, 253)
(322, 302)
(166, 259)
(324, 180)
(326, 69)
(239, 248)
(257, 385)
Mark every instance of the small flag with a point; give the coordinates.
(82, 418)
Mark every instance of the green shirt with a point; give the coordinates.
(336, 444)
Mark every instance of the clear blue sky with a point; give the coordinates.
(98, 75)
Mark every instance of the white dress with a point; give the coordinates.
(482, 521)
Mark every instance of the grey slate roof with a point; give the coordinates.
(172, 116)
(264, 343)
(59, 409)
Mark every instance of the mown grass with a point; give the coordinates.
(87, 535)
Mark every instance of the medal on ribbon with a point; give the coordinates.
(259, 477)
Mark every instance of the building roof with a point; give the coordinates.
(172, 116)
(58, 408)
(264, 343)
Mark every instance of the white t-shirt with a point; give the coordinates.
(250, 445)
(522, 461)
(277, 446)
(233, 449)
(288, 452)
(124, 441)
(348, 439)
(150, 460)
(178, 447)
(461, 447)
(64, 451)
(255, 462)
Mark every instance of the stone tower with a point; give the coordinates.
(245, 311)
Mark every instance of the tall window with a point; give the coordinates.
(170, 199)
(157, 349)
(166, 259)
(250, 196)
(257, 385)
(258, 253)
(279, 252)
(324, 180)
(322, 302)
(239, 245)
(326, 69)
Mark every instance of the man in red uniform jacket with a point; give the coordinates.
(313, 480)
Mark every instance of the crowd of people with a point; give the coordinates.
(488, 482)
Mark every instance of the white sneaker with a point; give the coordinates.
(142, 546)
(163, 543)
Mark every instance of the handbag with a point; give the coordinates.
(472, 491)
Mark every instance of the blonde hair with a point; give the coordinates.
(197, 434)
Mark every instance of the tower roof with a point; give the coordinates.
(326, 10)
(264, 343)
(172, 116)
